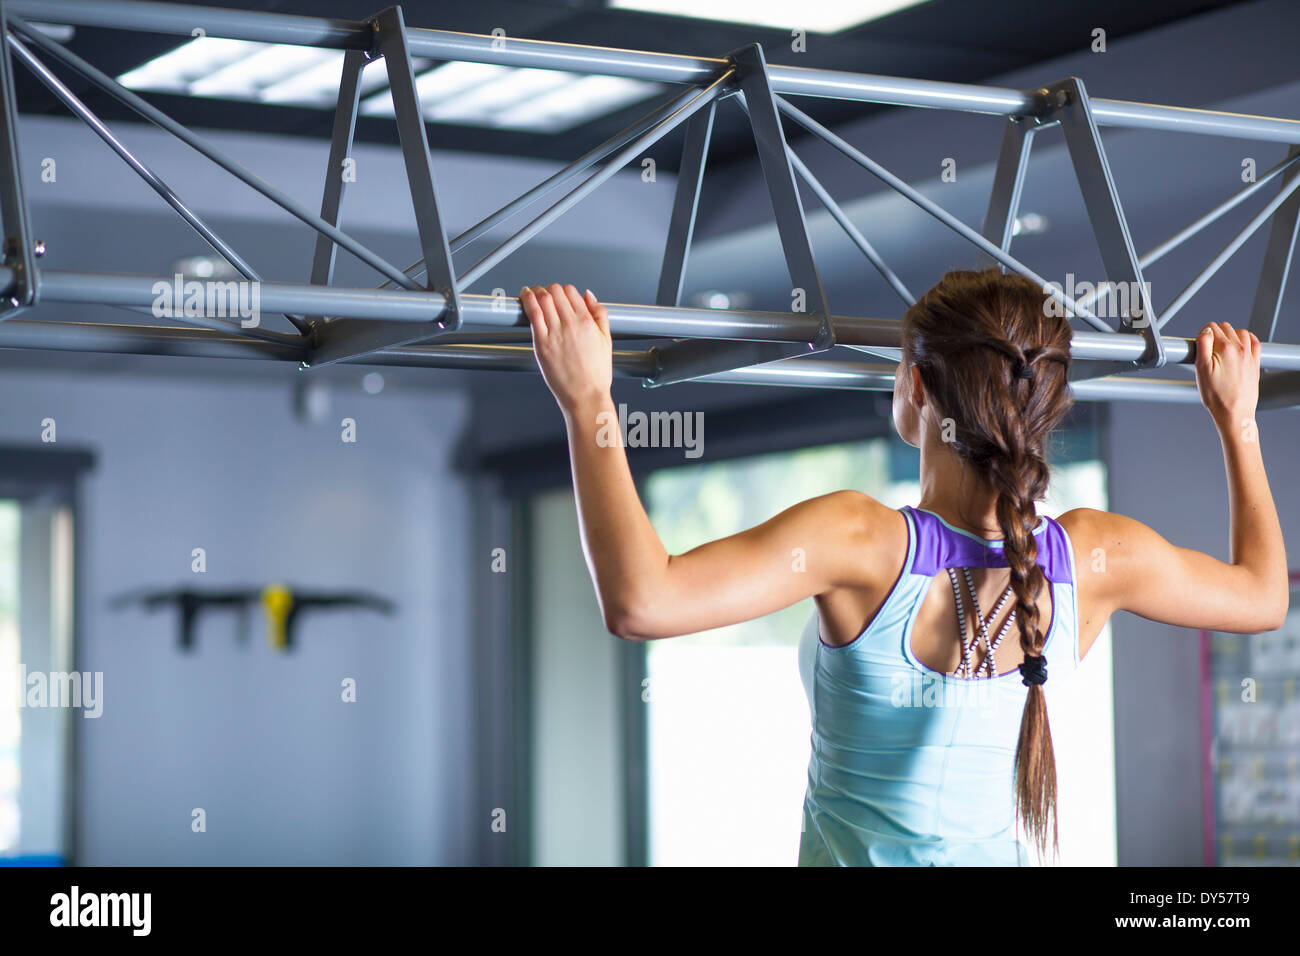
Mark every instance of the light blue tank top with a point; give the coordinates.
(910, 766)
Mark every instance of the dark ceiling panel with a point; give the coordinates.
(954, 40)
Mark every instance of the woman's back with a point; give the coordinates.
(912, 764)
(981, 386)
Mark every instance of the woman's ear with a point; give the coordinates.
(918, 387)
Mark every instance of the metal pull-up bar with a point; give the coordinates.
(420, 316)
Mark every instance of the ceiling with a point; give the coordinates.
(951, 40)
(101, 218)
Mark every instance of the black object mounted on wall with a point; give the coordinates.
(282, 605)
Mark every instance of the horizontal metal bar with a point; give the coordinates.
(812, 373)
(183, 19)
(96, 288)
(1183, 119)
(803, 373)
(485, 311)
(659, 67)
(180, 340)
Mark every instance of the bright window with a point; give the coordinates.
(728, 723)
(10, 654)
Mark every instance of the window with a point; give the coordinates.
(10, 658)
(728, 724)
(40, 691)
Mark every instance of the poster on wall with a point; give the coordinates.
(1250, 716)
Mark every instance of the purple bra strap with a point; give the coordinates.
(939, 546)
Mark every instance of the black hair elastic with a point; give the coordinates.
(1034, 670)
(1022, 369)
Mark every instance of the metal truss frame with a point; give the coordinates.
(422, 316)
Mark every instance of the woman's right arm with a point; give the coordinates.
(1132, 568)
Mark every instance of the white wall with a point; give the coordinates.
(286, 772)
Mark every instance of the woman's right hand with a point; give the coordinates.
(1227, 373)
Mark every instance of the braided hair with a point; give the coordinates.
(994, 359)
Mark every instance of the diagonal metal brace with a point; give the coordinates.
(1277, 260)
(20, 249)
(1067, 102)
(336, 342)
(1008, 183)
(682, 361)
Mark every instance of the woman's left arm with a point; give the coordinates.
(644, 592)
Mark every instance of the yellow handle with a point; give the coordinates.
(277, 600)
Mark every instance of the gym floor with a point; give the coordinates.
(340, 616)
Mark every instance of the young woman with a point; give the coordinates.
(926, 662)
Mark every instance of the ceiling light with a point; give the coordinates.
(205, 267)
(501, 95)
(1030, 224)
(245, 78)
(816, 16)
(436, 85)
(483, 94)
(319, 85)
(174, 71)
(280, 73)
(473, 94)
(582, 99)
(717, 299)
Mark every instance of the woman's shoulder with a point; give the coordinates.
(1088, 525)
(859, 511)
(868, 537)
(865, 521)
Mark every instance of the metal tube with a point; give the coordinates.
(659, 67)
(181, 20)
(1182, 119)
(1227, 252)
(140, 340)
(945, 217)
(93, 288)
(161, 119)
(572, 198)
(226, 325)
(485, 311)
(201, 343)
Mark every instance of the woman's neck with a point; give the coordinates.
(951, 489)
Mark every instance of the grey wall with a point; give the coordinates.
(286, 772)
(1166, 469)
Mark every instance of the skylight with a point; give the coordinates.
(474, 94)
(816, 16)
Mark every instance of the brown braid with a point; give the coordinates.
(994, 359)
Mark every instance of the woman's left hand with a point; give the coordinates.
(572, 343)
